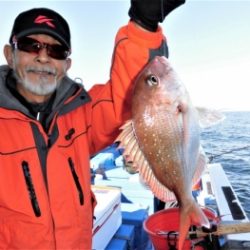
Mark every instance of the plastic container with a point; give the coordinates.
(167, 220)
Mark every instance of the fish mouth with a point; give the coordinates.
(161, 59)
(161, 65)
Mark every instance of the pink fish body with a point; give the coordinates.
(163, 140)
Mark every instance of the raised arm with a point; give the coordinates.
(135, 45)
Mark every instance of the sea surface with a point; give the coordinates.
(228, 143)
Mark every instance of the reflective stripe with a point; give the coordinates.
(31, 190)
(75, 177)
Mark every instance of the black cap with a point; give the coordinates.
(42, 21)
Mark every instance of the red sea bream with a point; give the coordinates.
(163, 140)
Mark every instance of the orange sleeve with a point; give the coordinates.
(110, 106)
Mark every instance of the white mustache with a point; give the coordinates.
(45, 69)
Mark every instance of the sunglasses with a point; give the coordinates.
(31, 45)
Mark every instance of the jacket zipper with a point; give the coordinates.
(31, 190)
(76, 180)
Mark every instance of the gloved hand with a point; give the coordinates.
(148, 13)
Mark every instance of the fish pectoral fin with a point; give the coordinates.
(192, 215)
(201, 165)
(209, 117)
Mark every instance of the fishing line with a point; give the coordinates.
(213, 156)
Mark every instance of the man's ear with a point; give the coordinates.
(8, 53)
(68, 63)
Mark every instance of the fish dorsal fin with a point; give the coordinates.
(139, 163)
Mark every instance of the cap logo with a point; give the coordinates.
(43, 19)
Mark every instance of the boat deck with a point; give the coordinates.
(137, 203)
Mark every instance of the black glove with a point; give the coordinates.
(148, 13)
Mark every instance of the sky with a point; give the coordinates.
(209, 43)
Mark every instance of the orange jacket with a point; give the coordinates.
(45, 196)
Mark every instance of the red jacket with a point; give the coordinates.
(45, 196)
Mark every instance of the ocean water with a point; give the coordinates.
(228, 143)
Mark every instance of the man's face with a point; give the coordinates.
(38, 74)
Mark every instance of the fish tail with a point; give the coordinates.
(190, 216)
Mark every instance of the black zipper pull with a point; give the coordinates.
(31, 189)
(70, 133)
(75, 177)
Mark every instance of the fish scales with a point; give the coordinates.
(163, 155)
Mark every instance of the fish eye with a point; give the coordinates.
(152, 80)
